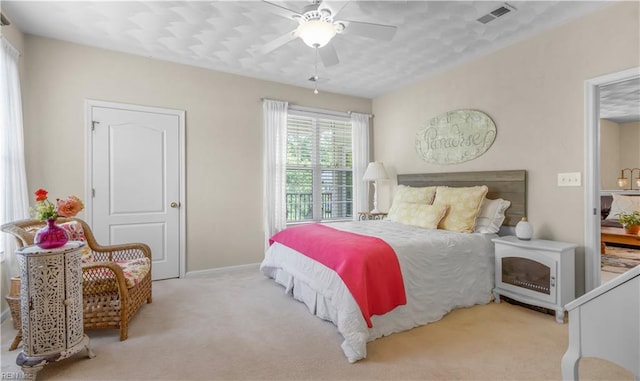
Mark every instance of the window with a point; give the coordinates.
(319, 173)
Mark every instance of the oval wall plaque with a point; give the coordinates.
(455, 137)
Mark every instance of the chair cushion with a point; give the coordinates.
(76, 233)
(134, 270)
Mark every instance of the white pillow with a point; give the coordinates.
(623, 204)
(491, 215)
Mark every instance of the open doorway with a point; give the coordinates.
(619, 175)
(594, 88)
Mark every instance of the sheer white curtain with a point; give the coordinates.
(360, 138)
(14, 195)
(275, 167)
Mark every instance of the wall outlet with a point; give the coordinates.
(569, 179)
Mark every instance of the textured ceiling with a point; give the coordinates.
(227, 35)
(620, 102)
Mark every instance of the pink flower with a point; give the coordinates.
(69, 207)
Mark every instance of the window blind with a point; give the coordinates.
(319, 169)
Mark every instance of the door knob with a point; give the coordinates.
(175, 204)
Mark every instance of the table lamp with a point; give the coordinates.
(375, 171)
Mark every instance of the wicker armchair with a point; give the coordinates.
(108, 302)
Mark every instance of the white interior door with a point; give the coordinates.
(135, 180)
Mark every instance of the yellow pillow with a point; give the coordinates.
(463, 203)
(407, 194)
(423, 195)
(423, 215)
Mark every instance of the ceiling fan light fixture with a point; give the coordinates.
(316, 33)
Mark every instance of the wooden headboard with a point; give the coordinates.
(508, 185)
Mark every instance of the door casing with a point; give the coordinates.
(592, 172)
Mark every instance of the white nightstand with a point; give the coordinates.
(536, 272)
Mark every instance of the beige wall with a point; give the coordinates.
(223, 129)
(609, 154)
(534, 91)
(618, 149)
(629, 143)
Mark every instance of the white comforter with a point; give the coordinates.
(442, 270)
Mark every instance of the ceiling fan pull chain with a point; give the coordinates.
(315, 74)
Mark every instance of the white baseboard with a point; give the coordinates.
(220, 270)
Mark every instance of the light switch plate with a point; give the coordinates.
(569, 179)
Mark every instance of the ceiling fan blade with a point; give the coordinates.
(278, 42)
(333, 6)
(281, 11)
(328, 55)
(365, 29)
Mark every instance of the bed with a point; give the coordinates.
(441, 270)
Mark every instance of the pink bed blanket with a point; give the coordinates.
(367, 265)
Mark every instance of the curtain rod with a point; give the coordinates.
(317, 110)
(363, 113)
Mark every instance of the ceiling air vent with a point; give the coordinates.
(494, 14)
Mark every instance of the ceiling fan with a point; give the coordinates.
(317, 26)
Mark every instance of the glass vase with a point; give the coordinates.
(51, 236)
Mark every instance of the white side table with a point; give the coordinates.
(51, 306)
(536, 272)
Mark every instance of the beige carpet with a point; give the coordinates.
(241, 326)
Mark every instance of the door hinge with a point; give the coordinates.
(93, 192)
(93, 125)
